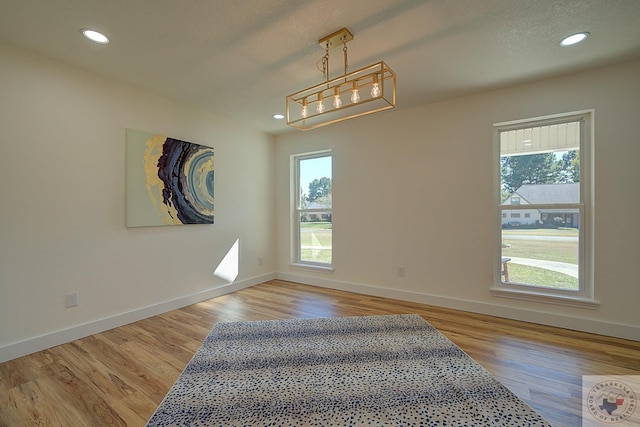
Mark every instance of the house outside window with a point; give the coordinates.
(312, 215)
(544, 181)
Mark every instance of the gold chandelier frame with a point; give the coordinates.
(372, 89)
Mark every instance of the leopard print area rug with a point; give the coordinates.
(394, 370)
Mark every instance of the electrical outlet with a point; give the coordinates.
(71, 299)
(260, 260)
(401, 271)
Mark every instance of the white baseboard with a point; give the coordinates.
(43, 342)
(32, 345)
(618, 330)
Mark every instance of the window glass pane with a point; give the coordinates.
(555, 167)
(314, 209)
(315, 237)
(545, 255)
(315, 183)
(540, 209)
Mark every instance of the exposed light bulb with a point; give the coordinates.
(337, 102)
(375, 87)
(355, 96)
(305, 108)
(320, 107)
(375, 90)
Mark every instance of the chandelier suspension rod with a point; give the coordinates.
(346, 63)
(325, 62)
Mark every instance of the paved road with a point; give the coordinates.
(560, 267)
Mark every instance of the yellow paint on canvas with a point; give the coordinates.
(153, 151)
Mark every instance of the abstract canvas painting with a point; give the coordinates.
(168, 181)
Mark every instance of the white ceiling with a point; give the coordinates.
(238, 59)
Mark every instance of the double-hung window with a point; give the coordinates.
(312, 210)
(545, 218)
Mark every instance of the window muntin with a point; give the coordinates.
(544, 167)
(313, 206)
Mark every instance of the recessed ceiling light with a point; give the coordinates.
(95, 36)
(278, 116)
(573, 39)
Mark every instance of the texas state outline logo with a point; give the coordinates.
(610, 400)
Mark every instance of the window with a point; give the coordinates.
(313, 215)
(544, 171)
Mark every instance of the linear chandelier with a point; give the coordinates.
(365, 91)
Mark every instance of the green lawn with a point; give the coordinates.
(316, 241)
(316, 225)
(526, 274)
(549, 250)
(541, 249)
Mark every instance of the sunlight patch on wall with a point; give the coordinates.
(228, 268)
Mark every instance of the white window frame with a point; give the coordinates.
(585, 296)
(296, 210)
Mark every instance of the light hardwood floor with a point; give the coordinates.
(119, 377)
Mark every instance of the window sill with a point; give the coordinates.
(312, 267)
(532, 295)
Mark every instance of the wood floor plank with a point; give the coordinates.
(118, 377)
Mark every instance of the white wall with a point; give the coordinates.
(407, 181)
(398, 177)
(62, 211)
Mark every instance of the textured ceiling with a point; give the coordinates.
(238, 59)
